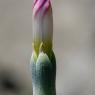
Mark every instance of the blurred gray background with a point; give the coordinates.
(74, 46)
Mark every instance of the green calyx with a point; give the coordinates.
(43, 74)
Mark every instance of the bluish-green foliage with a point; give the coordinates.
(43, 74)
